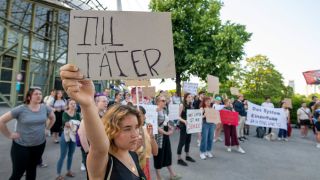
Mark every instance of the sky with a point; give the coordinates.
(286, 31)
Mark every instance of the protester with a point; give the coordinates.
(316, 119)
(70, 122)
(126, 98)
(175, 99)
(164, 157)
(283, 133)
(267, 104)
(110, 141)
(58, 105)
(239, 107)
(304, 119)
(134, 94)
(148, 145)
(246, 127)
(49, 99)
(206, 132)
(196, 105)
(117, 99)
(230, 131)
(185, 139)
(311, 107)
(217, 106)
(29, 139)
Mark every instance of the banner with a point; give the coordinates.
(229, 117)
(151, 116)
(111, 45)
(212, 115)
(266, 117)
(174, 112)
(213, 84)
(312, 77)
(194, 121)
(191, 88)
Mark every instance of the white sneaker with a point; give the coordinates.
(285, 139)
(220, 139)
(240, 150)
(209, 155)
(279, 139)
(198, 143)
(229, 149)
(203, 156)
(318, 145)
(83, 168)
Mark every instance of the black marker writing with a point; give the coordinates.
(86, 29)
(88, 63)
(147, 59)
(116, 57)
(134, 63)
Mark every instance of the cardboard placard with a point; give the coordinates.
(234, 91)
(151, 116)
(288, 102)
(174, 112)
(212, 115)
(229, 117)
(213, 84)
(149, 91)
(194, 121)
(110, 45)
(143, 82)
(191, 88)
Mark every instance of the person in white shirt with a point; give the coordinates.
(304, 119)
(49, 99)
(268, 104)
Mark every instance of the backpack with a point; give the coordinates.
(260, 132)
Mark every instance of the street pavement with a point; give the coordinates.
(297, 159)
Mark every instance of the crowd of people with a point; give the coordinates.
(115, 140)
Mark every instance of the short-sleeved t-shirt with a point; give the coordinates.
(31, 125)
(66, 117)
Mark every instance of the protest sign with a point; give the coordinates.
(109, 45)
(213, 84)
(288, 102)
(148, 91)
(212, 115)
(174, 112)
(229, 117)
(194, 121)
(234, 91)
(266, 117)
(191, 88)
(152, 116)
(144, 82)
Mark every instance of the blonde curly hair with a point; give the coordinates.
(113, 118)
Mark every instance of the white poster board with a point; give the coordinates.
(174, 112)
(266, 117)
(109, 45)
(213, 84)
(191, 88)
(194, 121)
(151, 116)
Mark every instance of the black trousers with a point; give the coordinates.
(269, 130)
(25, 159)
(184, 139)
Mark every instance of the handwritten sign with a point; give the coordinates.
(266, 117)
(213, 84)
(234, 91)
(152, 116)
(229, 117)
(212, 115)
(108, 45)
(194, 121)
(174, 112)
(148, 91)
(288, 102)
(144, 82)
(191, 88)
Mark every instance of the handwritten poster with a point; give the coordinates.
(108, 45)
(194, 121)
(174, 112)
(152, 116)
(213, 84)
(212, 115)
(229, 117)
(191, 88)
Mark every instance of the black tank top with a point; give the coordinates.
(121, 172)
(184, 111)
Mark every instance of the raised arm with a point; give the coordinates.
(82, 91)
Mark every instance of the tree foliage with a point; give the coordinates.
(202, 43)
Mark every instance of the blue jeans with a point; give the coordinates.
(64, 148)
(282, 133)
(207, 137)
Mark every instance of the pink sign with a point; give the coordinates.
(229, 117)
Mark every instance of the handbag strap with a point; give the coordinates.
(110, 171)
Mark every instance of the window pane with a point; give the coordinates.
(21, 14)
(24, 65)
(3, 7)
(6, 75)
(5, 88)
(7, 62)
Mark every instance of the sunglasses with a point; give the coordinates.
(163, 100)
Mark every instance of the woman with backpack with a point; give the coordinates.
(70, 123)
(58, 105)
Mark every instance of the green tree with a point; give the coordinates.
(202, 43)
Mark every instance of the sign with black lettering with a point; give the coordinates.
(108, 45)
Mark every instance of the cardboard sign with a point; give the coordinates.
(152, 116)
(288, 102)
(229, 117)
(109, 45)
(266, 116)
(213, 84)
(144, 82)
(149, 91)
(212, 115)
(191, 88)
(194, 121)
(174, 112)
(234, 91)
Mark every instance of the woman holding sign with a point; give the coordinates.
(112, 138)
(185, 138)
